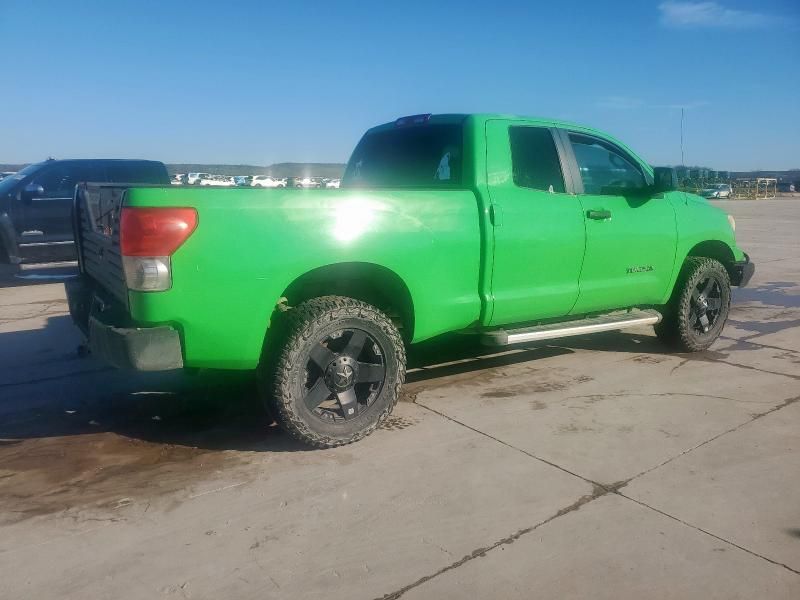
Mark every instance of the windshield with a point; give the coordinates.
(407, 157)
(7, 184)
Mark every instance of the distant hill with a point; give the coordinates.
(330, 170)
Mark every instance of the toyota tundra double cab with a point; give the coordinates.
(509, 228)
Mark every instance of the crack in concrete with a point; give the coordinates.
(47, 309)
(752, 418)
(662, 394)
(52, 301)
(525, 452)
(731, 364)
(598, 490)
(708, 533)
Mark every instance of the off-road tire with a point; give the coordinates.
(676, 329)
(284, 375)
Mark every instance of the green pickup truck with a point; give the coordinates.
(510, 228)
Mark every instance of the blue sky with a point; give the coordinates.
(263, 82)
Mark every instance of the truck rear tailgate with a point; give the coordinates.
(96, 221)
(98, 299)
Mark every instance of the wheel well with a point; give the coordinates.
(714, 249)
(371, 283)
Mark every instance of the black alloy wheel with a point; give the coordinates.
(332, 370)
(698, 309)
(345, 373)
(706, 304)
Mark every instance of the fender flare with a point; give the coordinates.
(716, 248)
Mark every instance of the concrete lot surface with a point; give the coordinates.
(597, 467)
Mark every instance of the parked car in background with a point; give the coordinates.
(242, 180)
(508, 229)
(333, 183)
(194, 178)
(265, 181)
(5, 174)
(178, 179)
(308, 182)
(217, 181)
(36, 203)
(719, 190)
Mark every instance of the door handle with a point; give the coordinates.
(598, 215)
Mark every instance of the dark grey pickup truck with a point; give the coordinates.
(36, 203)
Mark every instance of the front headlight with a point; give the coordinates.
(732, 221)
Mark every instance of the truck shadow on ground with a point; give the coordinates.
(48, 391)
(60, 395)
(53, 393)
(772, 293)
(76, 433)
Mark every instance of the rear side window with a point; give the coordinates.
(137, 172)
(408, 157)
(534, 159)
(605, 169)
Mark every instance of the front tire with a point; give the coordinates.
(338, 372)
(699, 307)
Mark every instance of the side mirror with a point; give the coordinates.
(665, 179)
(32, 190)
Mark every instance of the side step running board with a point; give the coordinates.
(608, 322)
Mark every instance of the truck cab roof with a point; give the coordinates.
(449, 118)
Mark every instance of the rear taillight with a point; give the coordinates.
(155, 231)
(148, 237)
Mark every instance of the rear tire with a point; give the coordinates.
(337, 371)
(699, 306)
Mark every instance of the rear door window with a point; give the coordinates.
(425, 156)
(534, 159)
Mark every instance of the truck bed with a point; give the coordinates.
(251, 244)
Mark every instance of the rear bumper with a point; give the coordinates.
(742, 271)
(111, 337)
(142, 349)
